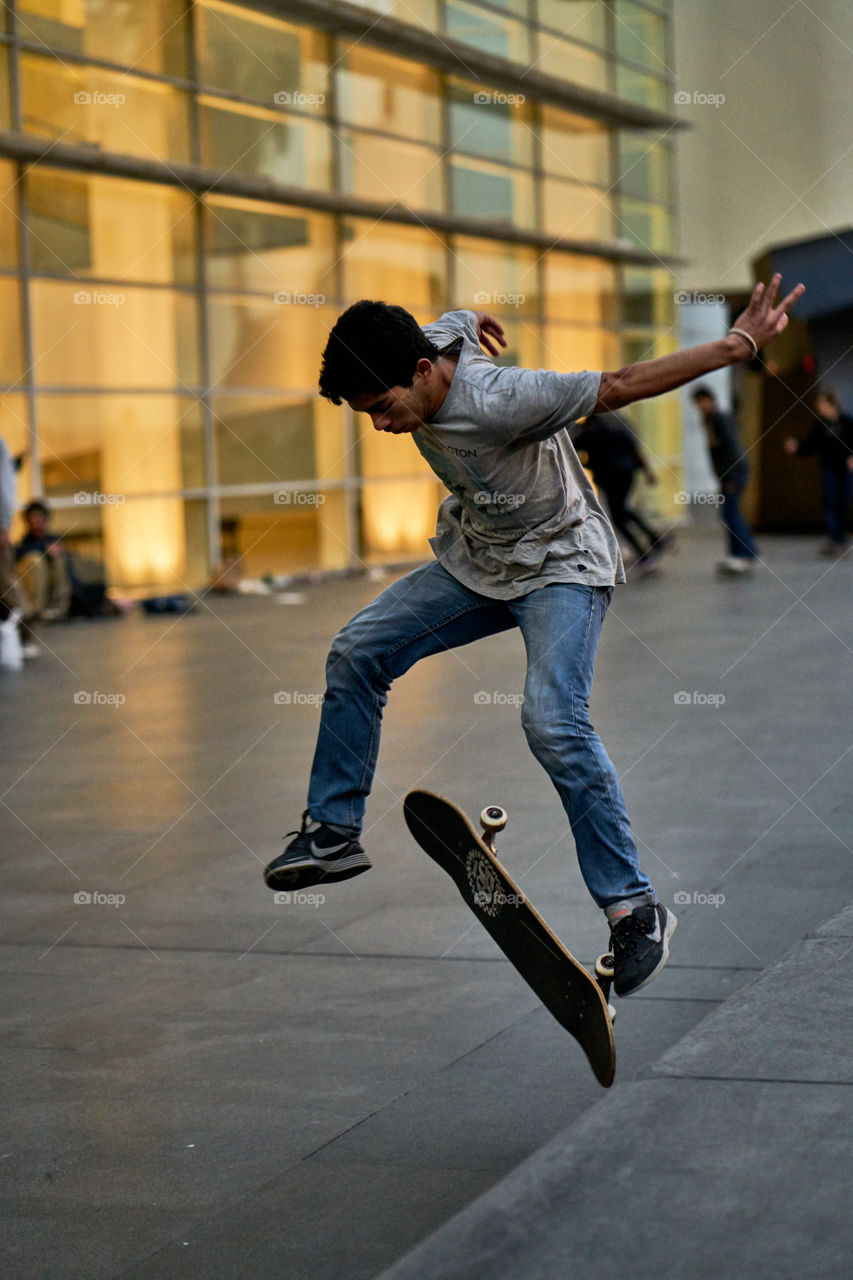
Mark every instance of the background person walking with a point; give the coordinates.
(831, 438)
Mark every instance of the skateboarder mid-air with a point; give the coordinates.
(521, 541)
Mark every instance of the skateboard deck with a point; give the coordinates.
(562, 984)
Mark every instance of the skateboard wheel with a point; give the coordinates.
(604, 967)
(612, 1011)
(493, 818)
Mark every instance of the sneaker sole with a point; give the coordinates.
(671, 926)
(311, 873)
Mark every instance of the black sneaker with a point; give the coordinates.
(640, 945)
(318, 854)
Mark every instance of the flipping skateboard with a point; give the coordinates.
(576, 999)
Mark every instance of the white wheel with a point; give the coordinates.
(493, 818)
(612, 1011)
(604, 967)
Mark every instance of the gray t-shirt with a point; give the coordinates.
(522, 512)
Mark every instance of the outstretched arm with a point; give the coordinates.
(761, 319)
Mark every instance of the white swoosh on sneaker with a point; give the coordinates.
(328, 850)
(656, 936)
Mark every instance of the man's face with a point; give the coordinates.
(705, 405)
(36, 522)
(399, 410)
(826, 408)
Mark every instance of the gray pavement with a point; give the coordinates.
(201, 1082)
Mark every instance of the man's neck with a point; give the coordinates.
(445, 367)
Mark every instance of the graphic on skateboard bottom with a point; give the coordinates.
(576, 999)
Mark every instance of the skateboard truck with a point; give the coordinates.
(493, 819)
(604, 978)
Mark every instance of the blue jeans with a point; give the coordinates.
(836, 488)
(429, 611)
(741, 543)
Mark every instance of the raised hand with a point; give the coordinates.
(761, 319)
(486, 325)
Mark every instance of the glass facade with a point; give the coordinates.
(208, 185)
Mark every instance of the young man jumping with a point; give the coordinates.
(521, 541)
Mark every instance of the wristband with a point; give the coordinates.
(742, 333)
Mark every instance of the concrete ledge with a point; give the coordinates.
(727, 1161)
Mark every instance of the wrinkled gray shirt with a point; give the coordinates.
(522, 512)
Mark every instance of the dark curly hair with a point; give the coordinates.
(372, 347)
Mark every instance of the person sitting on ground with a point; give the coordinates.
(44, 583)
(831, 438)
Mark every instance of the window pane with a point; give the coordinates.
(647, 91)
(571, 349)
(11, 348)
(640, 35)
(265, 248)
(571, 61)
(8, 214)
(387, 170)
(5, 101)
(378, 91)
(491, 33)
(578, 213)
(577, 19)
(109, 227)
(648, 225)
(261, 143)
(484, 122)
(492, 192)
(122, 447)
(113, 335)
(152, 36)
(495, 277)
(402, 265)
(272, 537)
(258, 56)
(107, 109)
(644, 166)
(580, 289)
(573, 147)
(648, 297)
(260, 343)
(419, 13)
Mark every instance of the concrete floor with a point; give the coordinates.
(203, 1083)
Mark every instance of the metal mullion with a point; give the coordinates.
(28, 340)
